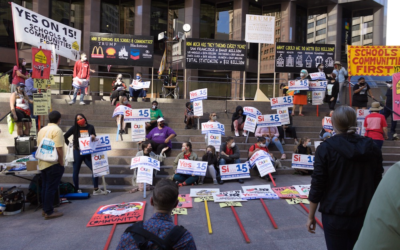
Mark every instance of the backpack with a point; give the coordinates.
(67, 188)
(142, 236)
(14, 199)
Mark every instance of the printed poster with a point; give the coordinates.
(139, 161)
(235, 171)
(188, 167)
(100, 164)
(259, 192)
(198, 108)
(228, 196)
(185, 201)
(40, 104)
(138, 131)
(288, 193)
(284, 116)
(327, 123)
(265, 167)
(201, 192)
(214, 140)
(140, 84)
(303, 161)
(41, 63)
(260, 29)
(318, 97)
(145, 175)
(303, 189)
(199, 94)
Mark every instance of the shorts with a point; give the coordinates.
(21, 115)
(300, 100)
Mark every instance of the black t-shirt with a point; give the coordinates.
(361, 96)
(86, 131)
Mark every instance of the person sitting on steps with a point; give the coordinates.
(119, 89)
(238, 120)
(271, 135)
(303, 148)
(189, 116)
(186, 154)
(161, 136)
(229, 154)
(261, 145)
(212, 162)
(155, 113)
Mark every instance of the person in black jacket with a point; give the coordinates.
(238, 120)
(388, 110)
(82, 129)
(212, 162)
(361, 90)
(332, 91)
(229, 154)
(347, 171)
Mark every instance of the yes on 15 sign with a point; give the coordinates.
(250, 124)
(135, 115)
(318, 85)
(140, 161)
(235, 171)
(197, 95)
(251, 111)
(212, 127)
(303, 161)
(282, 102)
(197, 168)
(102, 144)
(318, 76)
(198, 108)
(272, 120)
(327, 123)
(265, 167)
(298, 85)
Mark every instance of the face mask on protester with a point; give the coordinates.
(262, 145)
(183, 149)
(389, 85)
(21, 89)
(233, 145)
(309, 144)
(302, 74)
(162, 125)
(214, 118)
(154, 107)
(126, 102)
(137, 77)
(23, 63)
(84, 58)
(209, 152)
(81, 122)
(120, 78)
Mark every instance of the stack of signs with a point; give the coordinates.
(228, 196)
(145, 166)
(303, 161)
(288, 193)
(298, 85)
(318, 76)
(198, 108)
(214, 140)
(235, 171)
(272, 120)
(265, 166)
(251, 114)
(100, 164)
(212, 127)
(138, 84)
(87, 146)
(303, 189)
(120, 110)
(136, 115)
(282, 102)
(188, 167)
(361, 114)
(138, 131)
(318, 91)
(259, 155)
(258, 192)
(327, 123)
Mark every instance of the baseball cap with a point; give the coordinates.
(20, 84)
(160, 119)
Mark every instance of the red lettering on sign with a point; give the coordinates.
(297, 158)
(225, 169)
(85, 143)
(274, 101)
(260, 118)
(186, 164)
(128, 113)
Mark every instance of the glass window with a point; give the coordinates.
(118, 16)
(322, 41)
(368, 36)
(224, 21)
(370, 24)
(310, 35)
(321, 32)
(207, 20)
(321, 21)
(127, 17)
(158, 23)
(310, 25)
(356, 27)
(68, 12)
(363, 22)
(355, 39)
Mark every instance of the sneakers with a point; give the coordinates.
(82, 103)
(71, 102)
(53, 215)
(215, 182)
(99, 192)
(79, 191)
(244, 133)
(237, 134)
(44, 214)
(283, 157)
(283, 141)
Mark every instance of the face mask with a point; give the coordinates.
(214, 118)
(126, 102)
(240, 112)
(209, 152)
(301, 74)
(21, 89)
(309, 143)
(389, 85)
(162, 125)
(262, 145)
(362, 83)
(154, 107)
(233, 145)
(81, 122)
(149, 150)
(183, 149)
(138, 77)
(24, 63)
(84, 58)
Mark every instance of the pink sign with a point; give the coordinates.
(185, 201)
(396, 96)
(288, 193)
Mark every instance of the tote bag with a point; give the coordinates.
(70, 154)
(47, 150)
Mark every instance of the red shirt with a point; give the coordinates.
(255, 146)
(186, 157)
(374, 124)
(228, 151)
(16, 79)
(128, 105)
(82, 70)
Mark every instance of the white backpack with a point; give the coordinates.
(47, 150)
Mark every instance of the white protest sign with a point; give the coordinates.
(140, 161)
(212, 127)
(318, 97)
(318, 76)
(228, 196)
(140, 85)
(138, 131)
(259, 155)
(362, 113)
(303, 161)
(34, 29)
(214, 140)
(303, 189)
(235, 171)
(197, 95)
(33, 130)
(54, 57)
(100, 164)
(120, 110)
(201, 192)
(327, 123)
(284, 116)
(102, 143)
(258, 192)
(145, 175)
(135, 115)
(317, 85)
(282, 102)
(198, 108)
(197, 168)
(251, 111)
(260, 29)
(316, 144)
(250, 124)
(271, 120)
(298, 85)
(265, 167)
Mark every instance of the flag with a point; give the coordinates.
(162, 63)
(109, 67)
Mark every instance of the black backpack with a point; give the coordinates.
(142, 236)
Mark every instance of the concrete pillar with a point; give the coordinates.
(334, 32)
(379, 33)
(42, 7)
(288, 29)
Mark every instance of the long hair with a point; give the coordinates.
(189, 145)
(22, 67)
(212, 149)
(76, 130)
(301, 142)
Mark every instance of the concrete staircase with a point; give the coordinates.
(99, 114)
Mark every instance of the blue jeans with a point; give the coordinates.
(137, 92)
(277, 143)
(379, 143)
(78, 159)
(51, 178)
(76, 93)
(188, 179)
(31, 109)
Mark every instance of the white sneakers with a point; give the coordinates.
(99, 192)
(71, 102)
(82, 103)
(237, 134)
(244, 133)
(79, 191)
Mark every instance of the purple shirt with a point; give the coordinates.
(159, 135)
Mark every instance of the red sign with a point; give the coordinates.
(118, 213)
(41, 63)
(185, 201)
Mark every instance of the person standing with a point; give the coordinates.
(19, 105)
(331, 92)
(81, 78)
(360, 94)
(375, 125)
(238, 120)
(388, 111)
(161, 136)
(229, 154)
(186, 154)
(347, 171)
(51, 172)
(341, 74)
(82, 129)
(300, 96)
(19, 74)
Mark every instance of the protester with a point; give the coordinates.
(375, 125)
(81, 78)
(82, 129)
(135, 93)
(119, 89)
(303, 148)
(164, 199)
(261, 145)
(51, 172)
(300, 96)
(213, 117)
(238, 120)
(186, 154)
(160, 137)
(381, 228)
(347, 171)
(19, 74)
(341, 74)
(229, 154)
(155, 113)
(288, 128)
(147, 150)
(388, 111)
(271, 135)
(123, 100)
(360, 94)
(19, 105)
(332, 91)
(321, 68)
(325, 130)
(189, 116)
(30, 90)
(212, 162)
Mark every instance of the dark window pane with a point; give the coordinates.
(127, 17)
(158, 23)
(207, 20)
(60, 11)
(109, 16)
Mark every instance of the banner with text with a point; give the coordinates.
(298, 85)
(272, 120)
(235, 171)
(197, 95)
(136, 115)
(228, 196)
(140, 161)
(260, 29)
(282, 102)
(40, 104)
(212, 127)
(265, 167)
(138, 131)
(259, 192)
(145, 175)
(100, 144)
(100, 164)
(317, 85)
(303, 161)
(41, 63)
(197, 168)
(140, 84)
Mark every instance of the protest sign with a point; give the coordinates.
(318, 76)
(228, 196)
(198, 108)
(204, 198)
(54, 58)
(33, 130)
(179, 210)
(260, 29)
(100, 164)
(303, 161)
(298, 85)
(295, 201)
(200, 192)
(145, 175)
(265, 167)
(197, 168)
(139, 161)
(41, 63)
(128, 212)
(284, 116)
(303, 189)
(259, 155)
(362, 114)
(259, 192)
(41, 83)
(34, 29)
(282, 102)
(214, 140)
(327, 123)
(230, 204)
(318, 97)
(48, 97)
(288, 193)
(235, 171)
(185, 201)
(197, 95)
(212, 127)
(396, 96)
(40, 104)
(138, 131)
(135, 115)
(120, 110)
(271, 120)
(251, 111)
(360, 127)
(140, 85)
(102, 143)
(250, 124)
(317, 85)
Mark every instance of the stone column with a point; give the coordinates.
(379, 33)
(334, 32)
(42, 7)
(142, 28)
(288, 22)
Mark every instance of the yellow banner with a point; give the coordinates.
(373, 60)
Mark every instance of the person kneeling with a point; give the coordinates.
(186, 154)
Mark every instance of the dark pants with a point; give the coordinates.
(341, 233)
(190, 121)
(51, 178)
(379, 143)
(332, 104)
(31, 109)
(188, 179)
(158, 147)
(291, 130)
(388, 113)
(137, 92)
(116, 94)
(78, 159)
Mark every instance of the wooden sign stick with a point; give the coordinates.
(316, 219)
(269, 214)
(176, 219)
(208, 217)
(240, 225)
(110, 237)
